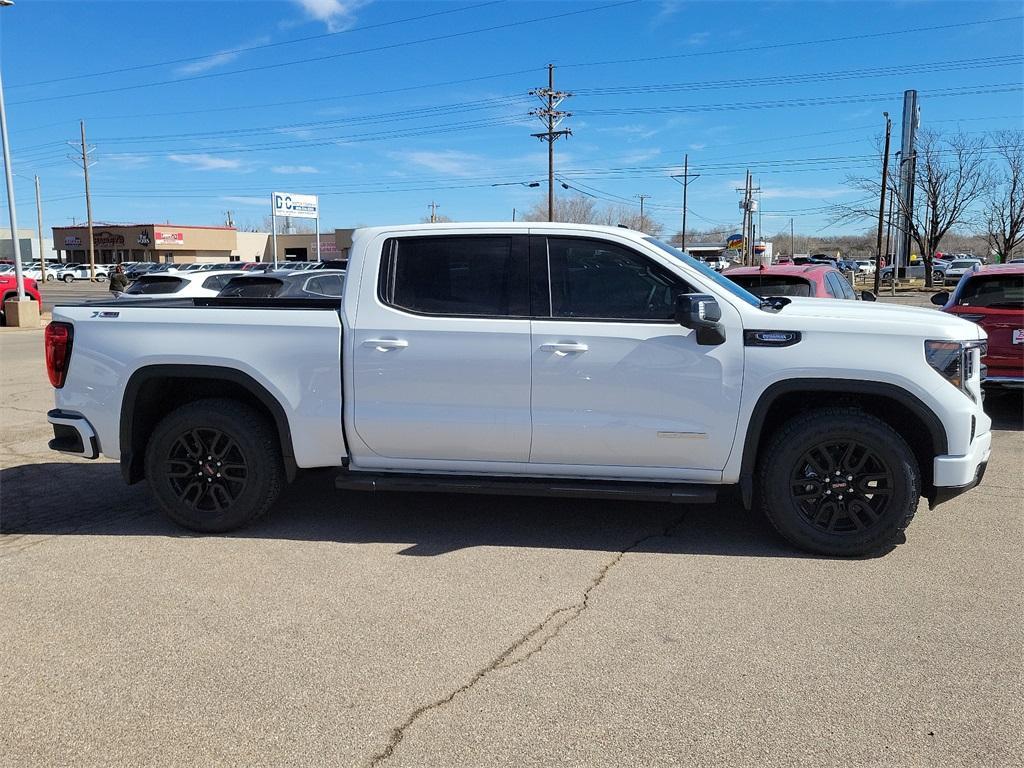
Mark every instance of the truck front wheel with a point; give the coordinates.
(838, 481)
(214, 465)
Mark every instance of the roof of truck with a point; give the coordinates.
(499, 226)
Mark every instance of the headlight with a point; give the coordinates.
(958, 362)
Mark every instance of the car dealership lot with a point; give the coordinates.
(350, 629)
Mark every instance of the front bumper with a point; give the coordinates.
(953, 475)
(73, 434)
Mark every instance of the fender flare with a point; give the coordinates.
(936, 431)
(131, 464)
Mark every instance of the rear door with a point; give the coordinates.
(442, 350)
(616, 381)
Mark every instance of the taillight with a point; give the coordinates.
(58, 351)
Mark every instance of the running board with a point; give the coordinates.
(675, 493)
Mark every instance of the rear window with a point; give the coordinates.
(253, 287)
(995, 291)
(772, 285)
(151, 284)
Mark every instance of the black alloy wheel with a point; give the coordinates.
(841, 486)
(207, 470)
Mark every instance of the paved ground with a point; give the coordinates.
(403, 630)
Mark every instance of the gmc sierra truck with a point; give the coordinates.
(531, 359)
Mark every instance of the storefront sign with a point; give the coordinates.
(169, 238)
(107, 239)
(72, 242)
(143, 239)
(296, 206)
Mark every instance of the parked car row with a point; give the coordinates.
(323, 283)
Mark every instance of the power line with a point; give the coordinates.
(330, 57)
(262, 47)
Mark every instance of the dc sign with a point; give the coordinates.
(296, 206)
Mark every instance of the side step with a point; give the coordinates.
(676, 493)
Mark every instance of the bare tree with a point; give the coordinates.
(951, 175)
(1004, 203)
(439, 218)
(300, 226)
(577, 209)
(614, 215)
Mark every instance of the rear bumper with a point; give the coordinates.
(954, 475)
(73, 434)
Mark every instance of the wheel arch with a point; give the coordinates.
(905, 412)
(153, 391)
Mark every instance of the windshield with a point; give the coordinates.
(995, 291)
(723, 282)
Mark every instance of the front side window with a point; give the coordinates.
(601, 280)
(217, 282)
(468, 276)
(723, 282)
(325, 285)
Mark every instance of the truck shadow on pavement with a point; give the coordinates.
(78, 498)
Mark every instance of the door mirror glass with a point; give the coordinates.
(703, 314)
(939, 299)
(868, 296)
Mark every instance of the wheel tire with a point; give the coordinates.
(50, 278)
(938, 277)
(227, 431)
(68, 278)
(870, 518)
(101, 278)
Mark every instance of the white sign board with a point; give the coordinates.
(296, 206)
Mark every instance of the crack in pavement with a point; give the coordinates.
(504, 660)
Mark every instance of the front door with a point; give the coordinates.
(616, 381)
(442, 356)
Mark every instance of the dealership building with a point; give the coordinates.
(188, 244)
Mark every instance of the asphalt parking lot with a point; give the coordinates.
(406, 630)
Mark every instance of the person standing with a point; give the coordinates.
(118, 281)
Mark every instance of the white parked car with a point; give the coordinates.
(961, 267)
(865, 266)
(81, 272)
(179, 284)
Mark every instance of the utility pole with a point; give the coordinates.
(433, 211)
(642, 198)
(792, 239)
(748, 206)
(551, 116)
(19, 278)
(83, 158)
(39, 224)
(686, 183)
(513, 214)
(881, 203)
(905, 199)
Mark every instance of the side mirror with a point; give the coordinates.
(868, 296)
(702, 313)
(939, 299)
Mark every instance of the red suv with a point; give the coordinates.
(9, 290)
(993, 297)
(818, 280)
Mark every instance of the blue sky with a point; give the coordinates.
(410, 102)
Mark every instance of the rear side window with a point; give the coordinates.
(599, 280)
(325, 285)
(840, 286)
(252, 287)
(459, 275)
(154, 284)
(217, 282)
(772, 285)
(995, 291)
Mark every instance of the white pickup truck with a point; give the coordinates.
(531, 359)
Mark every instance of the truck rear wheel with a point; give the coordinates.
(838, 481)
(214, 465)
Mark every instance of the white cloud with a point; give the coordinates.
(338, 15)
(126, 160)
(449, 161)
(698, 38)
(217, 59)
(264, 201)
(294, 169)
(697, 146)
(802, 193)
(204, 162)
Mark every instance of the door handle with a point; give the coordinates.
(383, 345)
(564, 348)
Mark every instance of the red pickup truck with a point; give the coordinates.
(9, 290)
